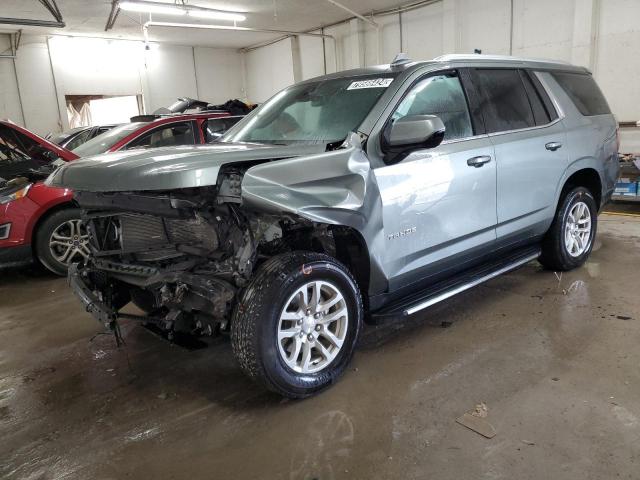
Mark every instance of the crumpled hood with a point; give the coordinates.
(166, 168)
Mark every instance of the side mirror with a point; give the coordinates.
(410, 133)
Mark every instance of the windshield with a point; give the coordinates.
(58, 138)
(106, 140)
(318, 112)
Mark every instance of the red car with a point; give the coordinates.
(37, 221)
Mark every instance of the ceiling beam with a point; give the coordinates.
(113, 15)
(31, 23)
(52, 8)
(355, 14)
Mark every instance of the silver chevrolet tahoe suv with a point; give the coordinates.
(360, 196)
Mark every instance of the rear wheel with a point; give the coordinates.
(61, 240)
(296, 325)
(569, 241)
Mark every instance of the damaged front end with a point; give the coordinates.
(180, 256)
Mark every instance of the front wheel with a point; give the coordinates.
(61, 240)
(296, 325)
(569, 241)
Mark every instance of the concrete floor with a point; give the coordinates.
(556, 362)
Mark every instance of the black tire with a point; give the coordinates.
(42, 248)
(555, 255)
(256, 317)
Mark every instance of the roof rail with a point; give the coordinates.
(150, 117)
(477, 56)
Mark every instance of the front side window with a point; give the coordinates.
(504, 102)
(317, 112)
(439, 95)
(165, 136)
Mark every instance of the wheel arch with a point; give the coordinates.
(587, 177)
(352, 251)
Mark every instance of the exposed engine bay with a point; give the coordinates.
(16, 176)
(181, 256)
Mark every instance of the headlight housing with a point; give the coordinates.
(15, 193)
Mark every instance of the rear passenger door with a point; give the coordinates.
(529, 140)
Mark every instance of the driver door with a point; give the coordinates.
(439, 204)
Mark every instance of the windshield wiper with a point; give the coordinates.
(334, 145)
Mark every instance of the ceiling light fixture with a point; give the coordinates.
(179, 9)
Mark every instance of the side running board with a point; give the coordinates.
(440, 291)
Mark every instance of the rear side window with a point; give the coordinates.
(505, 105)
(584, 92)
(540, 113)
(214, 128)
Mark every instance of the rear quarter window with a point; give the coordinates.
(583, 92)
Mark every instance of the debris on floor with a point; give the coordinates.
(476, 420)
(559, 277)
(481, 410)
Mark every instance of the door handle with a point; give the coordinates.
(553, 146)
(478, 161)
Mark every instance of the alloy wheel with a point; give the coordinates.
(69, 242)
(312, 327)
(577, 232)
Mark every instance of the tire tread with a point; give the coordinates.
(250, 309)
(553, 255)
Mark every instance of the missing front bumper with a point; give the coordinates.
(88, 298)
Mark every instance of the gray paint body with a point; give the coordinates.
(427, 209)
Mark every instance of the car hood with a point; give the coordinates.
(166, 168)
(25, 157)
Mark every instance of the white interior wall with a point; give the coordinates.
(50, 68)
(382, 49)
(337, 52)
(269, 69)
(37, 88)
(168, 67)
(312, 63)
(47, 70)
(555, 29)
(219, 74)
(93, 66)
(617, 62)
(9, 95)
(536, 33)
(422, 37)
(485, 25)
